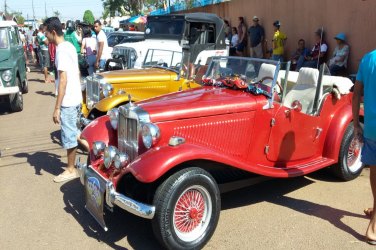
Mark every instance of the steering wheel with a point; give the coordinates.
(271, 78)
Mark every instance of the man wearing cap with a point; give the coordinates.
(318, 52)
(256, 36)
(279, 40)
(338, 62)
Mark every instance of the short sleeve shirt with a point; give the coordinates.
(101, 37)
(278, 38)
(67, 61)
(255, 34)
(344, 52)
(367, 76)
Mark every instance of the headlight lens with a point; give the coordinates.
(109, 155)
(98, 147)
(114, 115)
(150, 134)
(7, 75)
(121, 160)
(133, 56)
(107, 89)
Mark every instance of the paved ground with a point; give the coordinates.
(314, 212)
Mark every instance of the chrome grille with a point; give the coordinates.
(92, 91)
(128, 136)
(125, 53)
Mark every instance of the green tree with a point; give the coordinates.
(131, 7)
(88, 17)
(19, 17)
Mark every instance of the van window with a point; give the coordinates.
(4, 42)
(202, 33)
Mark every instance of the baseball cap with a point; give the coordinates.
(255, 18)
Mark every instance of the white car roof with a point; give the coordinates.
(7, 23)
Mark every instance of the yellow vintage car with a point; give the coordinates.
(163, 73)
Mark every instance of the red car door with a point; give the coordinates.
(294, 136)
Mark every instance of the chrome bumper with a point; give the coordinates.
(8, 90)
(114, 198)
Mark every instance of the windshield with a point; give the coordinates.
(165, 28)
(4, 42)
(253, 75)
(163, 58)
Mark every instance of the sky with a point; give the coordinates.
(69, 9)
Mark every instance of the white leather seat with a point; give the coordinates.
(266, 70)
(304, 90)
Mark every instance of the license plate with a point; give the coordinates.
(95, 188)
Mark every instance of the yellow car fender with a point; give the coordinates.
(113, 101)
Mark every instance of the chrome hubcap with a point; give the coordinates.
(353, 156)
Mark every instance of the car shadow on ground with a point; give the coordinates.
(122, 226)
(275, 191)
(45, 161)
(4, 108)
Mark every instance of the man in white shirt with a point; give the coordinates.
(69, 98)
(103, 50)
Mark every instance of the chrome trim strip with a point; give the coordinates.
(128, 204)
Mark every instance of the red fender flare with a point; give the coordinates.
(100, 130)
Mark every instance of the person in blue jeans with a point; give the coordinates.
(366, 83)
(69, 97)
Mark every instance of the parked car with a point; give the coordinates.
(163, 158)
(203, 31)
(115, 38)
(13, 80)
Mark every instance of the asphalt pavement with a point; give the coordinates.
(312, 212)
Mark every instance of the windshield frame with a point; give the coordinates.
(159, 66)
(6, 30)
(270, 97)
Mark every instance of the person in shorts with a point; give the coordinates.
(69, 98)
(43, 47)
(366, 83)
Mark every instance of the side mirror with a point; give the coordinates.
(296, 105)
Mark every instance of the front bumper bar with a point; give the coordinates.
(114, 198)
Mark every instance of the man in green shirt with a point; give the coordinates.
(72, 37)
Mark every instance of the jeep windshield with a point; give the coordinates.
(166, 59)
(164, 28)
(253, 75)
(4, 42)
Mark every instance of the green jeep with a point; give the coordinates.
(13, 81)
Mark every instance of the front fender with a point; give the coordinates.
(100, 130)
(113, 101)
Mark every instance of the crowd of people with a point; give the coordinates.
(240, 37)
(89, 41)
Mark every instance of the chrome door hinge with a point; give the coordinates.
(266, 150)
(272, 122)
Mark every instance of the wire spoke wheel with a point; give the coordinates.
(353, 155)
(192, 213)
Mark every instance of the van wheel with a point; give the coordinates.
(16, 100)
(25, 87)
(349, 165)
(187, 209)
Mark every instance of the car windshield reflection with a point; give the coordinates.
(254, 75)
(166, 59)
(4, 43)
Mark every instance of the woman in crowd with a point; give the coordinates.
(89, 48)
(234, 41)
(338, 62)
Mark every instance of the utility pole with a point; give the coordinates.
(5, 7)
(45, 9)
(32, 4)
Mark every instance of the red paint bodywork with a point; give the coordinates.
(231, 127)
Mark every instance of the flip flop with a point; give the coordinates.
(66, 177)
(371, 242)
(368, 212)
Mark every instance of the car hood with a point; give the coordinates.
(204, 101)
(138, 75)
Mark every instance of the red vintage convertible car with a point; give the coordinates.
(163, 159)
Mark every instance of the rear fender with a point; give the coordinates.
(336, 131)
(113, 101)
(100, 130)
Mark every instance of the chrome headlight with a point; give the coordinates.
(114, 116)
(107, 89)
(121, 160)
(98, 147)
(133, 55)
(7, 75)
(109, 155)
(150, 134)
